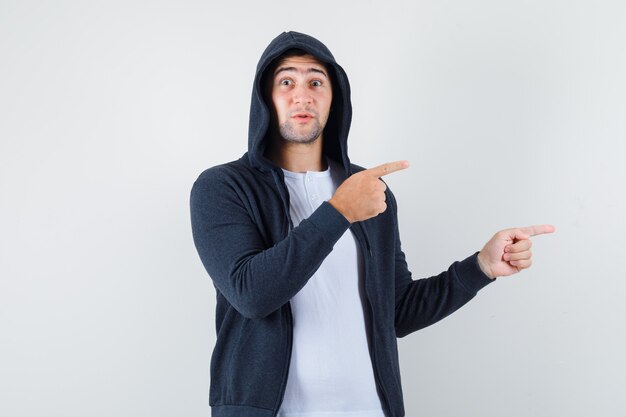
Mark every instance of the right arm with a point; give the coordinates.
(257, 280)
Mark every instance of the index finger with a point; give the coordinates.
(388, 168)
(538, 230)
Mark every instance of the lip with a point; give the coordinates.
(302, 116)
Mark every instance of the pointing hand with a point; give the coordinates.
(508, 251)
(362, 195)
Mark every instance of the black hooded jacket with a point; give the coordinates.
(258, 261)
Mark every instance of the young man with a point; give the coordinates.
(304, 252)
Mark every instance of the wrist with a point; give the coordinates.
(484, 266)
(340, 209)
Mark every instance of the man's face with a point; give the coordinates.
(302, 95)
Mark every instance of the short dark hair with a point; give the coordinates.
(289, 53)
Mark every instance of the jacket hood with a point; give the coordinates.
(338, 125)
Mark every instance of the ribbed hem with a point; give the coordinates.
(365, 413)
(471, 276)
(239, 411)
(329, 221)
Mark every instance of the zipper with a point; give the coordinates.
(283, 384)
(367, 249)
(284, 196)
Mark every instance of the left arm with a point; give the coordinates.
(422, 302)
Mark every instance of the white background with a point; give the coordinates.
(511, 113)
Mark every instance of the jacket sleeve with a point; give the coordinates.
(254, 279)
(422, 302)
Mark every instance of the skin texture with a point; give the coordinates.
(508, 251)
(301, 87)
(362, 196)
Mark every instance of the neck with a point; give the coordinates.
(296, 157)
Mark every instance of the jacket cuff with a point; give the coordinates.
(471, 276)
(329, 221)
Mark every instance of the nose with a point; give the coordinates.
(301, 95)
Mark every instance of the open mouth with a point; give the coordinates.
(302, 116)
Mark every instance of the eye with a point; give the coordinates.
(316, 83)
(285, 82)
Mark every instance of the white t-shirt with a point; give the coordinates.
(330, 374)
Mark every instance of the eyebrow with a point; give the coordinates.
(308, 71)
